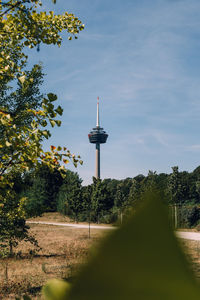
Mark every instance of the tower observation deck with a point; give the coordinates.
(97, 136)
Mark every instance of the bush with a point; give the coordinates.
(189, 216)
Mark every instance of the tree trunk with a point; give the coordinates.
(121, 217)
(11, 247)
(175, 217)
(6, 272)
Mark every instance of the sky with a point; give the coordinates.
(142, 58)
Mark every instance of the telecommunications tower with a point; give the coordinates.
(97, 136)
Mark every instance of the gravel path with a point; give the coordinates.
(195, 236)
(72, 225)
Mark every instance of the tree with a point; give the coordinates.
(120, 200)
(52, 181)
(22, 124)
(111, 185)
(16, 101)
(135, 193)
(35, 198)
(69, 197)
(101, 200)
(13, 228)
(175, 187)
(22, 24)
(86, 197)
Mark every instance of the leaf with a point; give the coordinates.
(59, 110)
(53, 123)
(52, 97)
(66, 161)
(44, 123)
(8, 144)
(55, 290)
(142, 260)
(45, 133)
(53, 148)
(58, 122)
(22, 79)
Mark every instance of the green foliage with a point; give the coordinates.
(52, 181)
(24, 24)
(24, 97)
(100, 199)
(24, 112)
(190, 215)
(21, 146)
(13, 228)
(69, 198)
(35, 198)
(175, 186)
(140, 260)
(109, 199)
(120, 199)
(134, 193)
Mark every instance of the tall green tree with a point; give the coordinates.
(120, 200)
(52, 181)
(36, 196)
(101, 200)
(175, 187)
(86, 198)
(134, 193)
(69, 200)
(13, 227)
(22, 123)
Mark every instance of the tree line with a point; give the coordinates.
(105, 200)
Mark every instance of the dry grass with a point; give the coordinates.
(64, 249)
(192, 250)
(57, 217)
(54, 217)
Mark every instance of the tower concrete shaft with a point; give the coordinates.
(97, 160)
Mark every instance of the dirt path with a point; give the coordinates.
(72, 225)
(195, 236)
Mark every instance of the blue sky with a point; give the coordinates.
(142, 58)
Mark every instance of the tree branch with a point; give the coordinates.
(11, 6)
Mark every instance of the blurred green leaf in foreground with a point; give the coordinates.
(141, 260)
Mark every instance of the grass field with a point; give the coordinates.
(64, 249)
(192, 250)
